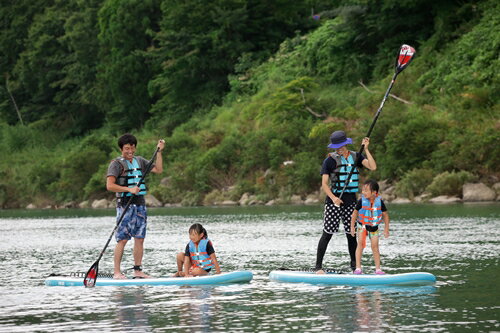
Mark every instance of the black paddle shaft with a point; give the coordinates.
(369, 132)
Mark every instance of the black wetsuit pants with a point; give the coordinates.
(323, 244)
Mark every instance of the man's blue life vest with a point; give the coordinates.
(339, 175)
(130, 176)
(368, 214)
(199, 254)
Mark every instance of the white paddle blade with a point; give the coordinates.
(406, 53)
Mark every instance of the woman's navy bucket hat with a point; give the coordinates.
(339, 139)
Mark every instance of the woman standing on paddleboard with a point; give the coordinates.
(340, 205)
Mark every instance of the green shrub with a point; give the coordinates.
(449, 183)
(43, 174)
(470, 62)
(214, 197)
(303, 175)
(167, 194)
(224, 155)
(96, 185)
(326, 53)
(278, 153)
(414, 183)
(180, 145)
(17, 138)
(473, 147)
(409, 143)
(244, 186)
(82, 165)
(191, 198)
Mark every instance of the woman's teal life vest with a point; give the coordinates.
(199, 254)
(130, 176)
(341, 172)
(370, 215)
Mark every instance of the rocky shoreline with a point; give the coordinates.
(471, 192)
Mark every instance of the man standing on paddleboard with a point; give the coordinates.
(124, 173)
(340, 205)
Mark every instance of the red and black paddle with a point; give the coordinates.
(405, 56)
(91, 276)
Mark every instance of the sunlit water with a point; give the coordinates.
(460, 244)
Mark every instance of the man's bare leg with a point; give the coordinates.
(138, 253)
(119, 248)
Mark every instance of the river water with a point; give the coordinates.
(460, 244)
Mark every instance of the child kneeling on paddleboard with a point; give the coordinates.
(199, 257)
(369, 212)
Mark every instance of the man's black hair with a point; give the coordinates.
(127, 138)
(373, 185)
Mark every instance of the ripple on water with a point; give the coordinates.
(460, 251)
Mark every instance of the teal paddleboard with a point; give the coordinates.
(413, 278)
(223, 278)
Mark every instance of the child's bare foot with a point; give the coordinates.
(178, 274)
(119, 276)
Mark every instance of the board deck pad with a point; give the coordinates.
(412, 278)
(223, 278)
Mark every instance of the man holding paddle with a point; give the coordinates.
(125, 177)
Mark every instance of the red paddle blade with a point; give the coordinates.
(91, 276)
(405, 56)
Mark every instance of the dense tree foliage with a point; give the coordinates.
(124, 34)
(200, 44)
(240, 86)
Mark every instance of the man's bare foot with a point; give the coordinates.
(320, 271)
(119, 276)
(141, 274)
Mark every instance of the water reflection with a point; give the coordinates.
(196, 314)
(374, 308)
(463, 298)
(190, 309)
(368, 314)
(131, 313)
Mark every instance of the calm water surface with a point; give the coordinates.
(460, 244)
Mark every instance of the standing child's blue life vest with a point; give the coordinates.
(370, 215)
(130, 176)
(199, 254)
(341, 172)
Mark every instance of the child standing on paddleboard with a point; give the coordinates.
(199, 257)
(369, 212)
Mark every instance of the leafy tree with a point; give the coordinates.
(201, 42)
(15, 20)
(124, 73)
(55, 73)
(81, 40)
(39, 65)
(409, 144)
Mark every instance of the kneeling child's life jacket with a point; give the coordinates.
(199, 254)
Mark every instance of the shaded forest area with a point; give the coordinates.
(237, 88)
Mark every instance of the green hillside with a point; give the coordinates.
(237, 88)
